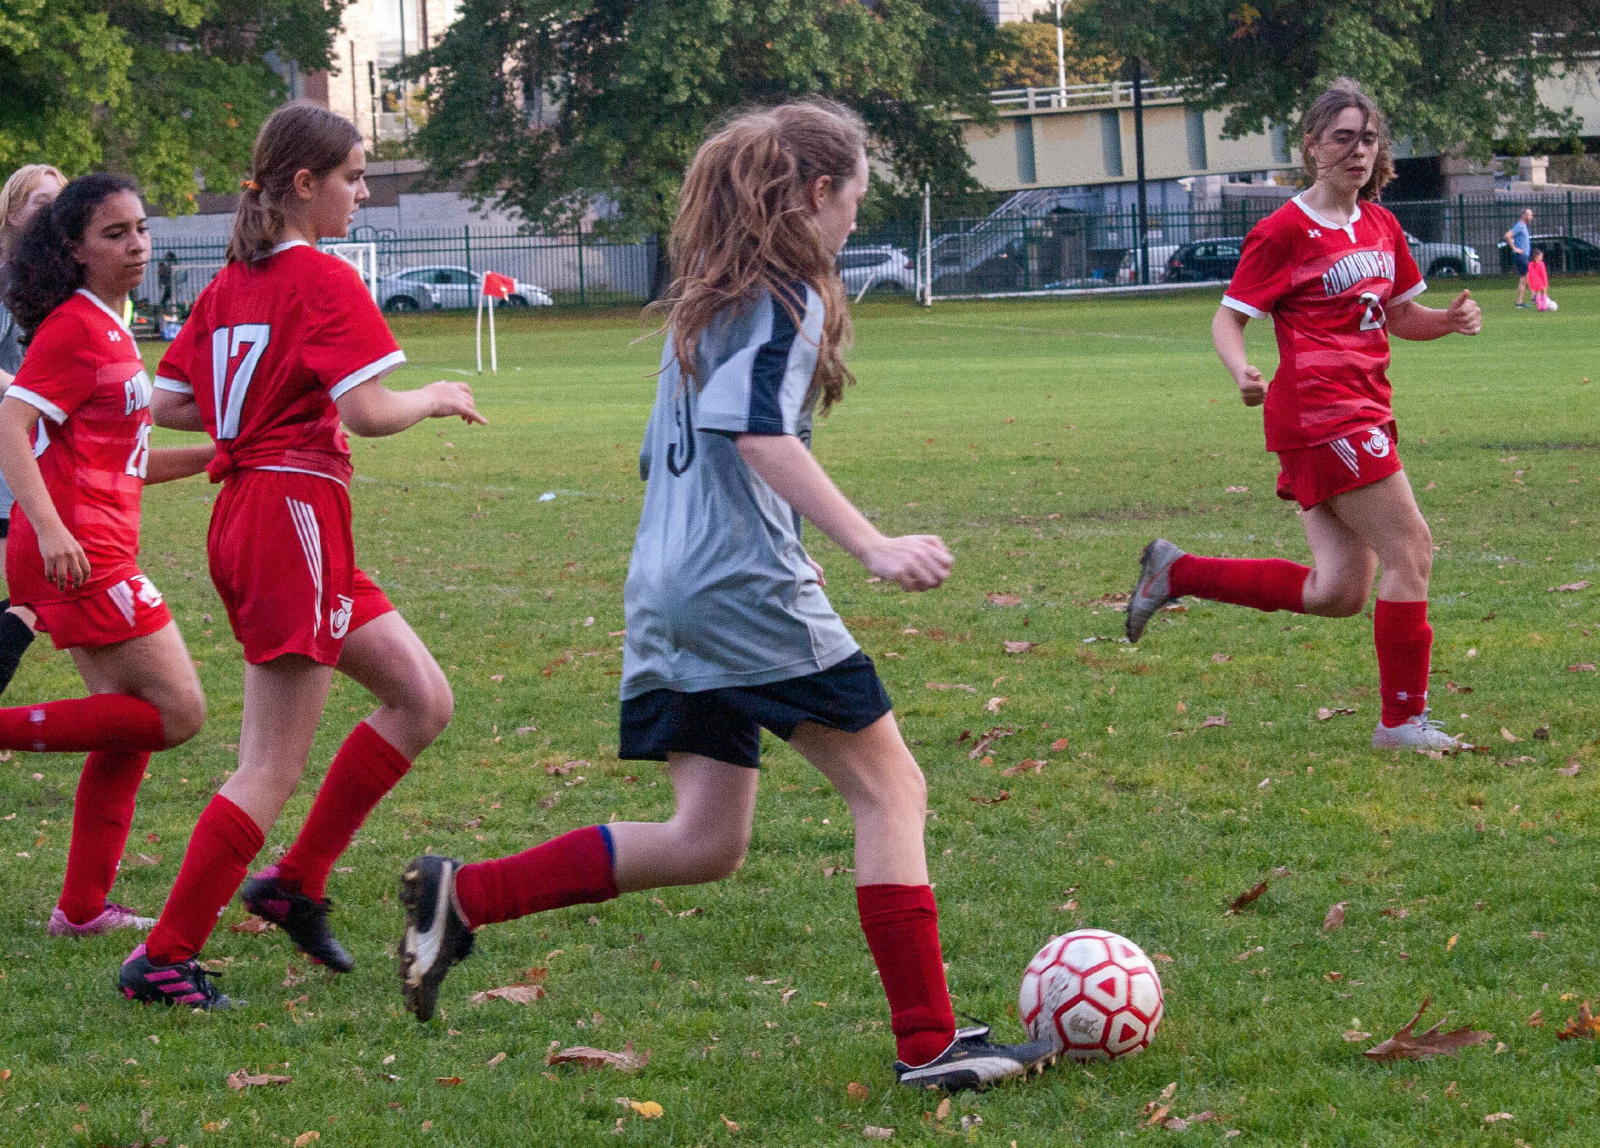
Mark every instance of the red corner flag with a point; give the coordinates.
(498, 286)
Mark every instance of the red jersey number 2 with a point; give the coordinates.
(229, 391)
(1375, 317)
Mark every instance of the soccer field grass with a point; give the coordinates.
(1046, 442)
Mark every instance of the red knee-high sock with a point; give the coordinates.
(902, 927)
(101, 817)
(1261, 583)
(574, 869)
(80, 725)
(1404, 639)
(365, 768)
(224, 843)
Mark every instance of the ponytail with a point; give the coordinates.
(44, 273)
(299, 136)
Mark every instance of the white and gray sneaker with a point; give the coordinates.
(1417, 732)
(971, 1061)
(1153, 590)
(437, 935)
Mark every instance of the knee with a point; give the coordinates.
(711, 855)
(431, 704)
(182, 716)
(901, 791)
(1340, 601)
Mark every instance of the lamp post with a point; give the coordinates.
(1061, 57)
(1138, 147)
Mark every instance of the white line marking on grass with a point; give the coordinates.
(1048, 331)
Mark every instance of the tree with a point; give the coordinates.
(1450, 72)
(548, 107)
(1025, 57)
(160, 89)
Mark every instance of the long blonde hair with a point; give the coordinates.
(22, 183)
(300, 136)
(745, 225)
(1342, 95)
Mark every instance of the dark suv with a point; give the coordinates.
(1204, 260)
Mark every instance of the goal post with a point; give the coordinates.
(363, 257)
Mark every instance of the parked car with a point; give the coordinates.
(1160, 256)
(1561, 252)
(1204, 260)
(877, 268)
(446, 287)
(1444, 260)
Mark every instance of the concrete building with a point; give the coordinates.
(1012, 11)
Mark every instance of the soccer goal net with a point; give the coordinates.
(363, 257)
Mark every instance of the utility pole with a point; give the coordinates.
(1138, 147)
(405, 112)
(372, 91)
(1061, 57)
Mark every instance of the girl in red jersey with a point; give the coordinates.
(1332, 270)
(283, 346)
(75, 447)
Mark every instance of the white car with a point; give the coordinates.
(877, 268)
(1160, 253)
(447, 287)
(1444, 260)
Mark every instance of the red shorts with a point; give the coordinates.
(128, 607)
(1317, 473)
(283, 561)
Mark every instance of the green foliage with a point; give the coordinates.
(161, 89)
(1025, 57)
(546, 106)
(1450, 73)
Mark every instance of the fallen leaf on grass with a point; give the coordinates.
(730, 1125)
(304, 1138)
(1059, 745)
(951, 686)
(524, 993)
(252, 925)
(242, 1079)
(1508, 735)
(1568, 588)
(1237, 490)
(1214, 720)
(1016, 599)
(1585, 1025)
(1581, 668)
(217, 1126)
(1451, 943)
(1404, 1045)
(1027, 765)
(497, 1058)
(1536, 1019)
(586, 1058)
(993, 705)
(874, 1133)
(1003, 795)
(1457, 688)
(1221, 658)
(1355, 1036)
(1246, 897)
(1496, 1117)
(561, 769)
(1571, 769)
(647, 1109)
(1335, 917)
(292, 976)
(447, 1081)
(943, 1111)
(857, 1091)
(1020, 647)
(981, 746)
(1325, 713)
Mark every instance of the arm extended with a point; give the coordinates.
(1227, 335)
(65, 563)
(372, 410)
(915, 561)
(1417, 323)
(175, 411)
(176, 462)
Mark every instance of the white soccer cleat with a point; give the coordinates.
(1153, 590)
(1417, 732)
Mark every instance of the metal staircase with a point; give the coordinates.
(958, 252)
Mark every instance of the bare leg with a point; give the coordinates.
(707, 836)
(1342, 565)
(155, 669)
(283, 702)
(1385, 517)
(388, 658)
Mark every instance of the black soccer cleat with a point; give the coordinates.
(15, 638)
(183, 983)
(972, 1061)
(304, 918)
(437, 935)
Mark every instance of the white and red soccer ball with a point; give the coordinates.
(1094, 993)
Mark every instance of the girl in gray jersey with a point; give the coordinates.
(729, 630)
(26, 190)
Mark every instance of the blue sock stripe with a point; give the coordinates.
(611, 848)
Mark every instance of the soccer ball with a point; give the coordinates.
(1551, 305)
(1094, 993)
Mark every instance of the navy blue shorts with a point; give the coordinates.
(726, 724)
(1522, 262)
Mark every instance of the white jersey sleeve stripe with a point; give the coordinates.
(1407, 296)
(1243, 308)
(45, 407)
(176, 386)
(374, 370)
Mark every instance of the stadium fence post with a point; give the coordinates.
(580, 263)
(466, 249)
(1461, 226)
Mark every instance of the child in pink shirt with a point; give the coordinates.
(1539, 283)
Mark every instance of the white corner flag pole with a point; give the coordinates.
(494, 359)
(480, 332)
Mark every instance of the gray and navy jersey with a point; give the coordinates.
(719, 592)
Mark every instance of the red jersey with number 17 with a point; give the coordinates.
(268, 348)
(1326, 288)
(84, 375)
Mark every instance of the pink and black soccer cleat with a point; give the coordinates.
(304, 918)
(112, 918)
(184, 983)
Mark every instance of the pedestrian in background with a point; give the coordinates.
(1521, 240)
